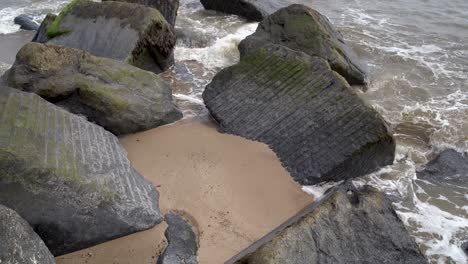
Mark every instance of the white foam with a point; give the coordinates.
(318, 190)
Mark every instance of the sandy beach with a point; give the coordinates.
(233, 191)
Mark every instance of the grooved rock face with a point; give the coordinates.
(168, 8)
(317, 125)
(348, 225)
(183, 244)
(70, 179)
(254, 10)
(303, 29)
(119, 97)
(144, 38)
(19, 243)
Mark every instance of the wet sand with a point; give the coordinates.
(10, 44)
(233, 190)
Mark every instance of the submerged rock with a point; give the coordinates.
(18, 242)
(41, 34)
(303, 29)
(168, 8)
(348, 225)
(254, 10)
(26, 22)
(117, 96)
(311, 118)
(127, 32)
(449, 166)
(70, 179)
(183, 245)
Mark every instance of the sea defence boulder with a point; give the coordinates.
(303, 29)
(309, 116)
(117, 96)
(182, 242)
(348, 225)
(19, 243)
(70, 179)
(136, 34)
(253, 10)
(168, 8)
(41, 34)
(26, 22)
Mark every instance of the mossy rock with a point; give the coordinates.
(348, 225)
(168, 8)
(144, 38)
(69, 178)
(119, 97)
(303, 29)
(308, 114)
(253, 10)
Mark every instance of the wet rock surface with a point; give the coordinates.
(303, 29)
(183, 244)
(70, 179)
(26, 22)
(18, 242)
(317, 125)
(144, 38)
(117, 96)
(168, 8)
(254, 10)
(348, 225)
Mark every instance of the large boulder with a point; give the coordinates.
(182, 242)
(349, 225)
(308, 114)
(117, 96)
(26, 22)
(303, 29)
(254, 10)
(127, 32)
(41, 34)
(168, 8)
(18, 242)
(70, 179)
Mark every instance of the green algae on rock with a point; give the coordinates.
(144, 38)
(69, 178)
(308, 114)
(348, 225)
(18, 241)
(117, 96)
(303, 29)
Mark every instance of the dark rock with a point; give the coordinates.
(308, 114)
(464, 247)
(254, 10)
(26, 22)
(168, 8)
(449, 166)
(348, 225)
(41, 34)
(117, 96)
(303, 29)
(70, 179)
(18, 242)
(182, 240)
(136, 34)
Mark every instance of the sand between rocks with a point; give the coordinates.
(233, 190)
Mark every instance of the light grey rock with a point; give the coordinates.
(119, 97)
(301, 28)
(70, 179)
(311, 118)
(348, 225)
(183, 244)
(18, 242)
(136, 34)
(254, 10)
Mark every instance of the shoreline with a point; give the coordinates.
(219, 176)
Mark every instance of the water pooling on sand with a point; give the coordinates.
(417, 57)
